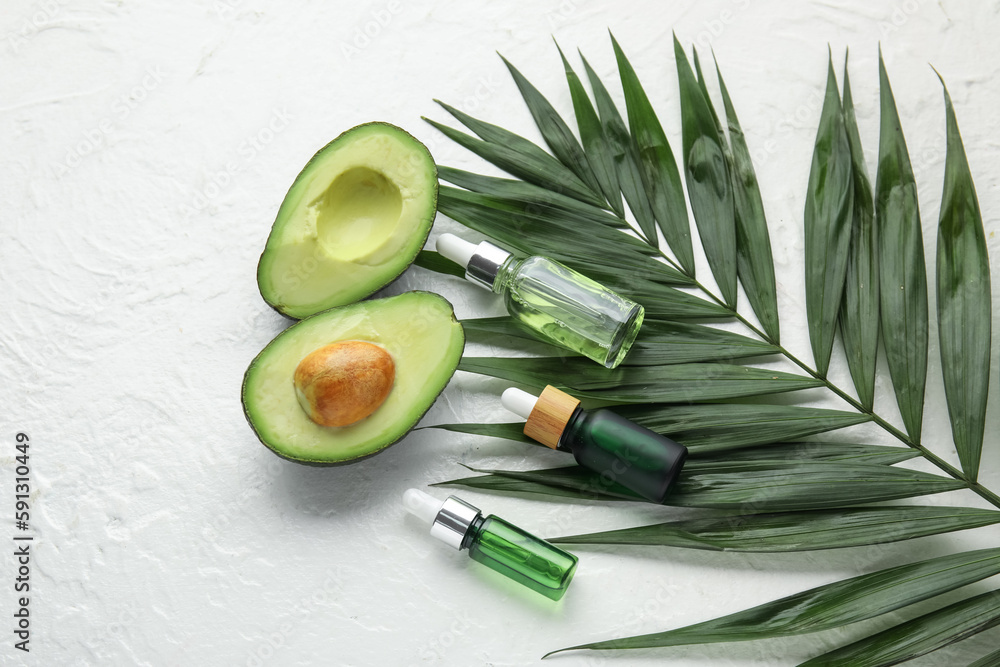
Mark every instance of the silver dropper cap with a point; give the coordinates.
(485, 264)
(450, 520)
(481, 262)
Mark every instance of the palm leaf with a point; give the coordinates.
(505, 484)
(848, 601)
(434, 261)
(657, 166)
(859, 325)
(746, 449)
(991, 660)
(528, 196)
(760, 485)
(754, 263)
(652, 289)
(805, 451)
(504, 215)
(828, 212)
(796, 531)
(595, 144)
(963, 301)
(724, 427)
(661, 343)
(554, 130)
(710, 453)
(707, 176)
(518, 157)
(507, 431)
(623, 151)
(902, 277)
(798, 485)
(639, 384)
(658, 343)
(918, 636)
(726, 430)
(607, 254)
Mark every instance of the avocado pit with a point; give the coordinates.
(342, 383)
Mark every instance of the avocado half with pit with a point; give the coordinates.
(346, 383)
(354, 219)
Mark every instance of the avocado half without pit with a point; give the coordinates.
(354, 219)
(348, 382)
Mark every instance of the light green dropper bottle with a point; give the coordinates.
(495, 543)
(562, 305)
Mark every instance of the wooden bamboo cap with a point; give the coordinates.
(550, 416)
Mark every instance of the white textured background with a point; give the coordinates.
(146, 148)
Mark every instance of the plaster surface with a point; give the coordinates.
(147, 147)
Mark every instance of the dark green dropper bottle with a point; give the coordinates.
(620, 450)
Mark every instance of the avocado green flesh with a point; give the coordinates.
(419, 331)
(353, 220)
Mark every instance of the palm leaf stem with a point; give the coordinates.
(944, 466)
(933, 458)
(937, 461)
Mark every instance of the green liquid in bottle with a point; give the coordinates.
(569, 308)
(624, 452)
(507, 549)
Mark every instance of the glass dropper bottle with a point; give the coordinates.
(497, 544)
(620, 450)
(563, 306)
